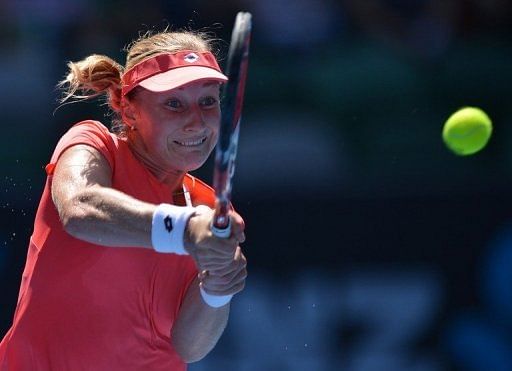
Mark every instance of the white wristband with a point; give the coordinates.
(168, 228)
(215, 301)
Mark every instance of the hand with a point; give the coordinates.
(228, 280)
(212, 253)
(220, 261)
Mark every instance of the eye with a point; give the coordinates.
(174, 104)
(208, 102)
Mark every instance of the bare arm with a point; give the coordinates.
(92, 211)
(222, 271)
(198, 326)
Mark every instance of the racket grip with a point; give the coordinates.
(222, 232)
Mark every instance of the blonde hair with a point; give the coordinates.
(99, 75)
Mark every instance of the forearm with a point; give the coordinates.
(198, 326)
(107, 217)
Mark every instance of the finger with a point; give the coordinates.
(218, 248)
(238, 262)
(225, 275)
(235, 278)
(227, 280)
(217, 261)
(239, 256)
(214, 257)
(227, 270)
(217, 268)
(237, 223)
(237, 238)
(241, 238)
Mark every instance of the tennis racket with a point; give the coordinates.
(232, 102)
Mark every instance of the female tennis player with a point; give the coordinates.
(123, 272)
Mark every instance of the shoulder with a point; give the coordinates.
(91, 126)
(89, 132)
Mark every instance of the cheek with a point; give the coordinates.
(213, 140)
(154, 125)
(213, 120)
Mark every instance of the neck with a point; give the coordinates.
(172, 178)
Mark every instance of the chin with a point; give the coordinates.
(194, 165)
(190, 161)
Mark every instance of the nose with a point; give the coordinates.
(195, 121)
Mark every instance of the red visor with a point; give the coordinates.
(169, 71)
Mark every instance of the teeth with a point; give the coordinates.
(191, 142)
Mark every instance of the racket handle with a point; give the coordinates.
(224, 231)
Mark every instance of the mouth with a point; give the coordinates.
(190, 142)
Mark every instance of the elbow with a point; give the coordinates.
(73, 214)
(192, 349)
(71, 223)
(193, 359)
(192, 354)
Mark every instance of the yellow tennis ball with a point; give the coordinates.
(467, 131)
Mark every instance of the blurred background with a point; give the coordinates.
(371, 246)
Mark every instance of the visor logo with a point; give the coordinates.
(191, 58)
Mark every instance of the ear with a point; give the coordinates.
(128, 113)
